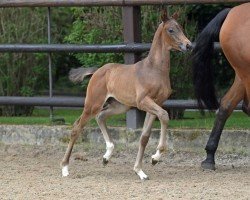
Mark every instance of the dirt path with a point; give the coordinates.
(32, 172)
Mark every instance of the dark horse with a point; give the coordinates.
(232, 26)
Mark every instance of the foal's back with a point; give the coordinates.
(114, 80)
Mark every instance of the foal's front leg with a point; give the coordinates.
(162, 142)
(146, 131)
(148, 105)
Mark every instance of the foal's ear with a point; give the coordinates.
(176, 15)
(164, 15)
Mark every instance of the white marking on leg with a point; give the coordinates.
(157, 155)
(109, 150)
(65, 171)
(142, 175)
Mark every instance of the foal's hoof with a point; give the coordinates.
(208, 165)
(154, 162)
(142, 175)
(65, 171)
(105, 161)
(145, 179)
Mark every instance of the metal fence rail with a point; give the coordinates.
(116, 48)
(79, 102)
(57, 3)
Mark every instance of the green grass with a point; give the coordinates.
(41, 116)
(237, 120)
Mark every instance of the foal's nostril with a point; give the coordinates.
(189, 46)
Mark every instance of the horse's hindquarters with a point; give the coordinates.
(234, 39)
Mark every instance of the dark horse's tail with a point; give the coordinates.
(202, 69)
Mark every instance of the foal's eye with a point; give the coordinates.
(170, 30)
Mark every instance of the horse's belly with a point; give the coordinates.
(121, 86)
(123, 94)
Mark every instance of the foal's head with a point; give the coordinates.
(173, 34)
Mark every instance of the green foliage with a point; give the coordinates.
(96, 25)
(204, 13)
(61, 25)
(20, 72)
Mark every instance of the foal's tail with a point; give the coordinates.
(77, 75)
(201, 57)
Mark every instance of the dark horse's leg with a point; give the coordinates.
(246, 107)
(213, 141)
(228, 103)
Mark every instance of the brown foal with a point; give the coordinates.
(115, 88)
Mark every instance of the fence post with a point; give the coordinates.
(52, 118)
(131, 17)
(49, 61)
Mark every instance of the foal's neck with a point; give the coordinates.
(159, 54)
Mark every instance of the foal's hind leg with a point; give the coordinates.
(89, 112)
(146, 131)
(113, 108)
(95, 99)
(77, 129)
(228, 103)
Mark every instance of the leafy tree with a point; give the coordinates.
(96, 25)
(21, 73)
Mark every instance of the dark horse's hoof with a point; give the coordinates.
(207, 165)
(154, 162)
(105, 161)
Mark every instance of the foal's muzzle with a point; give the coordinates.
(189, 47)
(186, 47)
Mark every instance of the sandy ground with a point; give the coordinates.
(33, 172)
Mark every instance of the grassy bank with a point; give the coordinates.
(192, 119)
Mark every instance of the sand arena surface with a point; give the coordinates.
(33, 172)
